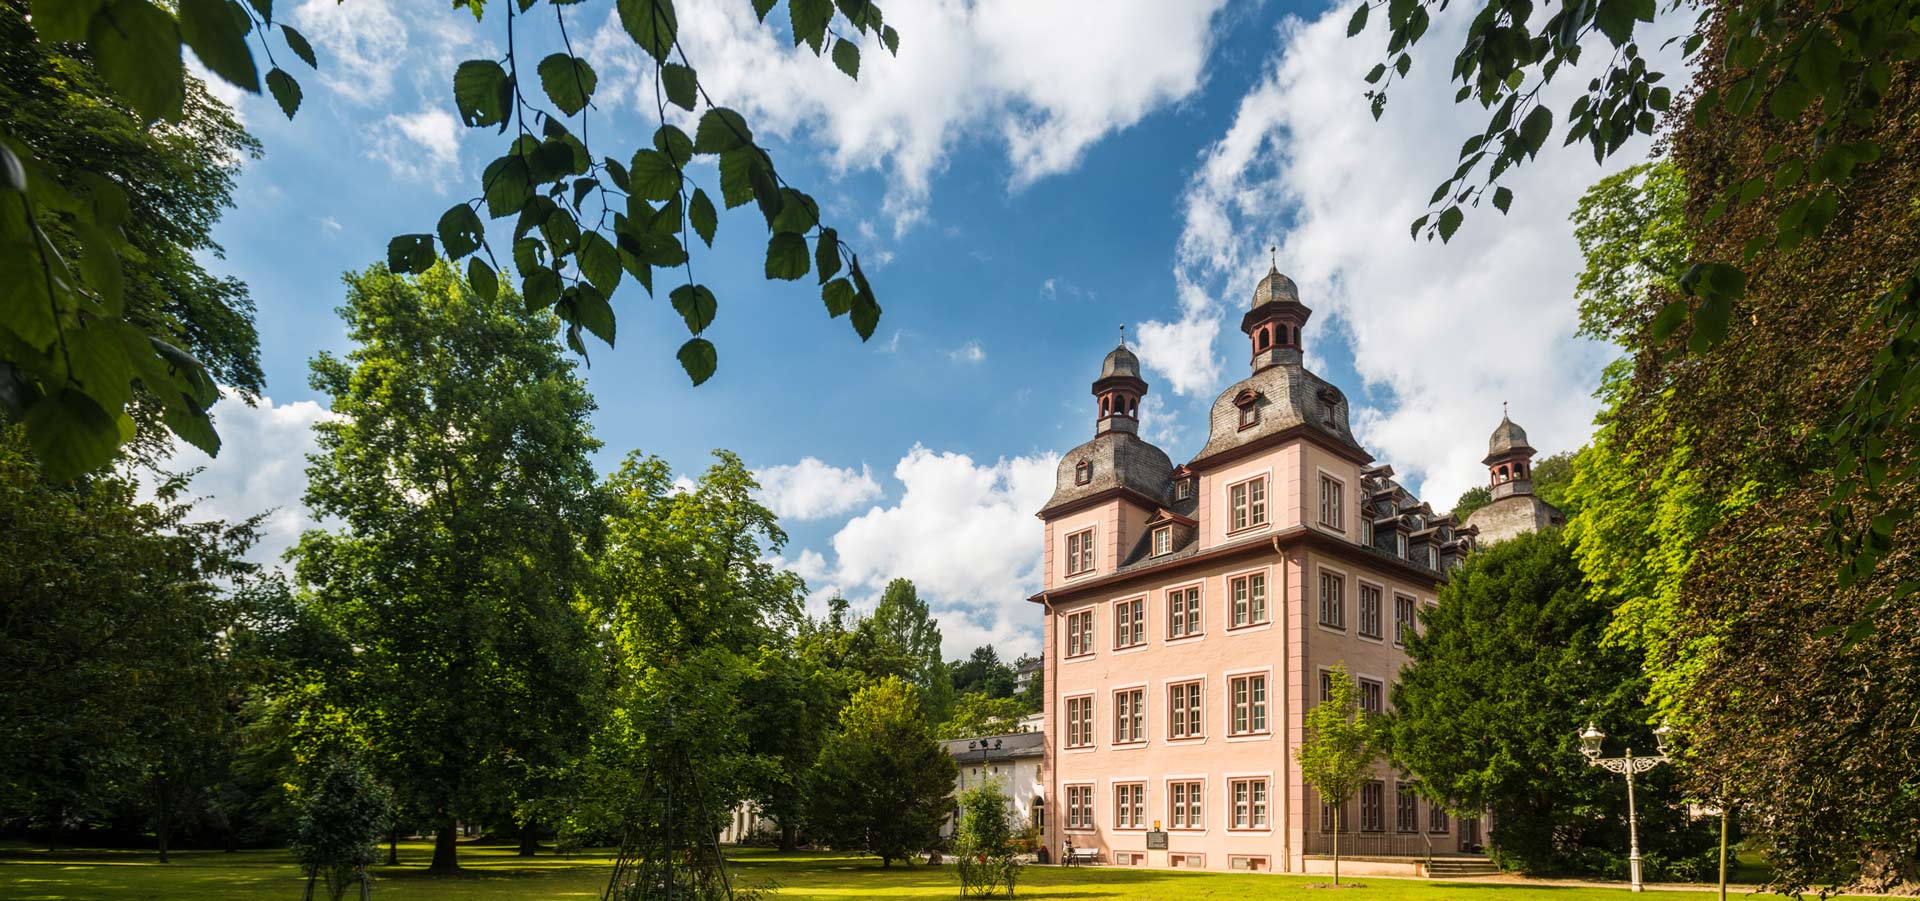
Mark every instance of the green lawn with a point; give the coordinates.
(495, 872)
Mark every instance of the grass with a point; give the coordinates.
(497, 873)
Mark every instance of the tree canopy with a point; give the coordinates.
(903, 777)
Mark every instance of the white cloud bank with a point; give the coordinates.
(811, 489)
(261, 469)
(1444, 332)
(1044, 80)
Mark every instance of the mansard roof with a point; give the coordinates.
(1507, 438)
(1120, 460)
(1287, 396)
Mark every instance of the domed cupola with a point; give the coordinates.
(1118, 390)
(1509, 459)
(1274, 321)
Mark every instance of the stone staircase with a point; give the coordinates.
(1460, 867)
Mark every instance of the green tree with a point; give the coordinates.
(1505, 671)
(1341, 745)
(975, 713)
(342, 818)
(983, 672)
(1551, 476)
(111, 643)
(587, 217)
(985, 859)
(902, 638)
(458, 468)
(882, 784)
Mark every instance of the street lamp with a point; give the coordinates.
(1627, 766)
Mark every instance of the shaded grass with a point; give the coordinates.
(496, 872)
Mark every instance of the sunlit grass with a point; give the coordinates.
(496, 872)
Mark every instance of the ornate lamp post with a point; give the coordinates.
(1626, 766)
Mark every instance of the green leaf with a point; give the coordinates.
(411, 254)
(798, 212)
(217, 32)
(592, 310)
(673, 142)
(1450, 219)
(483, 93)
(1788, 100)
(136, 48)
(838, 295)
(681, 84)
(651, 24)
(866, 310)
(721, 130)
(1502, 198)
(506, 181)
(697, 306)
(569, 82)
(285, 90)
(540, 288)
(99, 364)
(64, 21)
(100, 265)
(809, 19)
(786, 256)
(762, 7)
(1710, 324)
(846, 55)
(699, 359)
(460, 231)
(766, 191)
(890, 38)
(826, 254)
(600, 263)
(482, 278)
(297, 42)
(736, 185)
(1535, 128)
(71, 435)
(653, 176)
(703, 216)
(1358, 23)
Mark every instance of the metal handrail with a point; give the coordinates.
(1429, 840)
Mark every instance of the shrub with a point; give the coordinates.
(341, 823)
(984, 845)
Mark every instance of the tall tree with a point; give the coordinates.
(883, 783)
(458, 468)
(983, 672)
(902, 638)
(1505, 671)
(1339, 751)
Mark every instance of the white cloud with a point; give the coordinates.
(970, 352)
(330, 224)
(1443, 332)
(966, 535)
(362, 45)
(261, 469)
(1048, 80)
(811, 489)
(422, 146)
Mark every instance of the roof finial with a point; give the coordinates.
(1123, 334)
(1503, 409)
(1273, 257)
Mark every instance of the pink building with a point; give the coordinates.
(1191, 611)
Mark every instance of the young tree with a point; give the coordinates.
(983, 849)
(1506, 669)
(882, 784)
(341, 820)
(458, 468)
(1340, 748)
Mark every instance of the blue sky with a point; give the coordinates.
(1021, 181)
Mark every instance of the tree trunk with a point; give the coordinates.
(446, 848)
(529, 839)
(789, 837)
(163, 829)
(393, 847)
(1337, 811)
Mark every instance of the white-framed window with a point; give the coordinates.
(1162, 540)
(1403, 614)
(1248, 696)
(1130, 805)
(1333, 600)
(1130, 623)
(1079, 807)
(1080, 722)
(1369, 610)
(1249, 415)
(1330, 813)
(1437, 818)
(1186, 716)
(1373, 806)
(1406, 812)
(1249, 803)
(1332, 503)
(1326, 684)
(1372, 696)
(1249, 593)
(1433, 557)
(1182, 489)
(1079, 633)
(1366, 530)
(1183, 612)
(1247, 504)
(1400, 539)
(1080, 552)
(1186, 805)
(1129, 715)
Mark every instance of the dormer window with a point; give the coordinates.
(1162, 540)
(1182, 489)
(1083, 472)
(1249, 403)
(1403, 545)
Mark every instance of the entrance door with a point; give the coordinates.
(1469, 833)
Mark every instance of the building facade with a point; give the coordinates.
(1015, 760)
(1192, 612)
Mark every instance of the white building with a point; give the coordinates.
(1016, 760)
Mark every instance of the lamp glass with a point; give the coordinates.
(1590, 741)
(1661, 736)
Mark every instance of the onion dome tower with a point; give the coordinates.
(1515, 508)
(1117, 457)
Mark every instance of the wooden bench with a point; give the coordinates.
(1082, 856)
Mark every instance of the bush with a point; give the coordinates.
(984, 845)
(341, 823)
